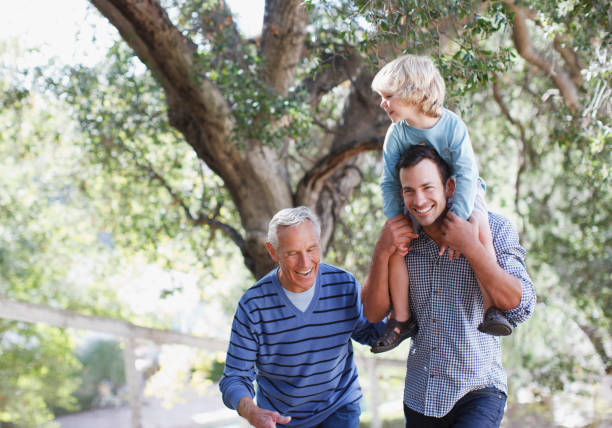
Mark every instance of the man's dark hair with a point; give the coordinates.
(415, 154)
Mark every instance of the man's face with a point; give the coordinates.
(298, 256)
(423, 192)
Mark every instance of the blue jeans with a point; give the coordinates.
(345, 417)
(483, 408)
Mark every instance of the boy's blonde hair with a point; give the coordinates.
(416, 80)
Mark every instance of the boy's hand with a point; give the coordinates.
(397, 234)
(453, 253)
(459, 234)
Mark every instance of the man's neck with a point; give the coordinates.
(434, 231)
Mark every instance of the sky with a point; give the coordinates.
(65, 28)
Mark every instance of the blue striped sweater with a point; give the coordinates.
(302, 361)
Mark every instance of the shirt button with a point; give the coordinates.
(435, 291)
(431, 375)
(433, 320)
(433, 348)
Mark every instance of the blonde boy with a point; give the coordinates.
(412, 95)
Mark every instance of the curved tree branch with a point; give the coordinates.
(334, 68)
(524, 46)
(313, 181)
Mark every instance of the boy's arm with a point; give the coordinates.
(390, 185)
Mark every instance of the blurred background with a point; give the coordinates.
(144, 148)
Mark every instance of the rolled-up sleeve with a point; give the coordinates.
(511, 258)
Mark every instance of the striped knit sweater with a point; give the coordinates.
(302, 361)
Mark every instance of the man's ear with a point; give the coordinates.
(450, 187)
(272, 251)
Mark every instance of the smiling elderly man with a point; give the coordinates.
(292, 333)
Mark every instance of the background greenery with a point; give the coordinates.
(96, 180)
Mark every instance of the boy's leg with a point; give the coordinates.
(400, 324)
(399, 288)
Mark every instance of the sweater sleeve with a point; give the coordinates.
(239, 372)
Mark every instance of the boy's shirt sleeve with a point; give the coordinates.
(465, 171)
(390, 185)
(239, 372)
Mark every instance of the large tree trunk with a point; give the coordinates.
(255, 176)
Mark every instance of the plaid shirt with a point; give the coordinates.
(449, 357)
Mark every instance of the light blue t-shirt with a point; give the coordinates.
(449, 137)
(303, 299)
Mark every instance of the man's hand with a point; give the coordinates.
(258, 417)
(459, 234)
(396, 235)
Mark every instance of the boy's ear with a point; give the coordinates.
(449, 188)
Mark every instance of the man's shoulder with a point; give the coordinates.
(263, 287)
(333, 271)
(500, 224)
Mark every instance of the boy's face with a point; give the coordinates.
(396, 108)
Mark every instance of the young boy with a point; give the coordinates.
(412, 93)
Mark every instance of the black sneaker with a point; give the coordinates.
(495, 323)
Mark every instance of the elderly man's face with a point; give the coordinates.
(298, 255)
(423, 192)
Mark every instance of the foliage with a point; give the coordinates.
(140, 162)
(103, 367)
(36, 374)
(129, 183)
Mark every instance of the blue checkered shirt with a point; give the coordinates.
(449, 357)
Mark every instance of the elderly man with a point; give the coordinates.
(292, 333)
(454, 375)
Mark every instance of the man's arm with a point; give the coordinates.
(504, 289)
(395, 236)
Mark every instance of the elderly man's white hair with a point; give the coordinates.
(291, 217)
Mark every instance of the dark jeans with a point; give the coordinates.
(345, 417)
(483, 408)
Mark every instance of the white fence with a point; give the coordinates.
(129, 333)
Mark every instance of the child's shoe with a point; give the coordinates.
(391, 338)
(495, 323)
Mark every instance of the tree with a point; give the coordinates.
(285, 119)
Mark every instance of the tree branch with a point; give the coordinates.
(334, 68)
(282, 40)
(313, 181)
(524, 46)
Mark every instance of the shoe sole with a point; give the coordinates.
(496, 330)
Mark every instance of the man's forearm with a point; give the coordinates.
(504, 289)
(375, 291)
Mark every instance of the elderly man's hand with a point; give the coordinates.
(396, 235)
(258, 417)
